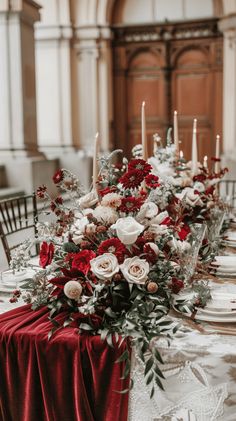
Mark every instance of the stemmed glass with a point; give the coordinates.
(189, 257)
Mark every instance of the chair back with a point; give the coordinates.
(228, 191)
(17, 214)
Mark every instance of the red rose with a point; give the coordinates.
(58, 176)
(176, 285)
(81, 260)
(46, 254)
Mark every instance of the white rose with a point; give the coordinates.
(128, 229)
(105, 266)
(147, 211)
(135, 270)
(73, 290)
(88, 200)
(111, 199)
(105, 215)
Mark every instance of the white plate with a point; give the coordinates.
(225, 261)
(224, 275)
(230, 269)
(231, 235)
(217, 312)
(229, 244)
(209, 317)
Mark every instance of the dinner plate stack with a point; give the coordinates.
(230, 239)
(221, 308)
(224, 267)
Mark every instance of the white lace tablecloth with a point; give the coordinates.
(200, 381)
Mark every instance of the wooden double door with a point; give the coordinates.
(170, 67)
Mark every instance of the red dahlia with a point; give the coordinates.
(115, 246)
(130, 204)
(132, 179)
(58, 176)
(152, 181)
(140, 165)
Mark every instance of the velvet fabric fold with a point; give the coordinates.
(72, 377)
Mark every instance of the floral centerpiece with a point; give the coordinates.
(110, 260)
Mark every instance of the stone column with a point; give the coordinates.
(53, 76)
(228, 26)
(18, 133)
(92, 73)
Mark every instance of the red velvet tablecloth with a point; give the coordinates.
(69, 378)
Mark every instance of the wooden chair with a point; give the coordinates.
(17, 214)
(228, 191)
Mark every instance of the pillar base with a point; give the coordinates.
(29, 173)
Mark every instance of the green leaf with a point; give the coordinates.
(152, 392)
(148, 365)
(149, 378)
(109, 340)
(159, 383)
(124, 356)
(126, 370)
(158, 372)
(67, 323)
(158, 356)
(103, 333)
(110, 313)
(85, 326)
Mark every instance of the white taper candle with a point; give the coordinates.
(176, 133)
(95, 158)
(217, 163)
(144, 134)
(194, 167)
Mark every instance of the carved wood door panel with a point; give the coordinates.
(169, 67)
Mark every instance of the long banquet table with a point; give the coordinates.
(74, 378)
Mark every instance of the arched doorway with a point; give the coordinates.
(171, 66)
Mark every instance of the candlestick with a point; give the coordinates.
(217, 163)
(176, 134)
(194, 167)
(144, 135)
(95, 163)
(205, 165)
